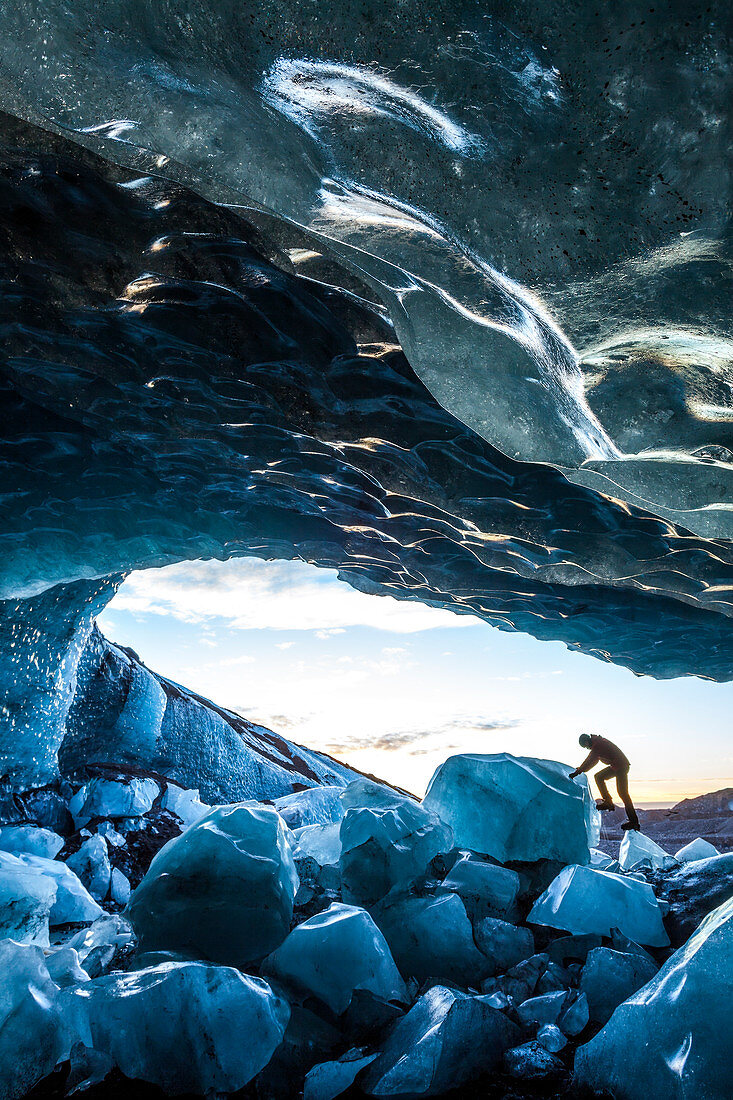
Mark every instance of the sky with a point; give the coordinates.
(394, 687)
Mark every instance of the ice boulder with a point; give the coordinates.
(33, 1035)
(223, 890)
(319, 842)
(582, 899)
(446, 1040)
(433, 938)
(119, 887)
(26, 900)
(696, 849)
(504, 943)
(185, 804)
(74, 904)
(551, 1038)
(610, 977)
(602, 861)
(64, 967)
(330, 1079)
(640, 853)
(187, 1027)
(566, 1009)
(515, 808)
(492, 890)
(113, 798)
(672, 1038)
(333, 955)
(386, 839)
(315, 806)
(30, 840)
(695, 889)
(91, 863)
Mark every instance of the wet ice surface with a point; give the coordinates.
(464, 973)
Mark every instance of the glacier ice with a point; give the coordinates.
(189, 1027)
(119, 887)
(321, 842)
(602, 861)
(26, 901)
(693, 890)
(433, 938)
(515, 808)
(505, 943)
(91, 863)
(315, 806)
(610, 977)
(185, 804)
(446, 1040)
(671, 1038)
(30, 840)
(330, 1079)
(639, 852)
(73, 902)
(386, 839)
(551, 1038)
(64, 967)
(223, 890)
(583, 899)
(33, 1031)
(494, 889)
(568, 1010)
(334, 954)
(696, 849)
(110, 798)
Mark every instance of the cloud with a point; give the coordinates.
(251, 594)
(394, 740)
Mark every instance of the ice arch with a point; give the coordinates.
(173, 389)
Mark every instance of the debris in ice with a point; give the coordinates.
(334, 954)
(386, 839)
(638, 852)
(223, 890)
(433, 938)
(91, 863)
(672, 1037)
(33, 1035)
(696, 849)
(112, 798)
(30, 840)
(515, 808)
(188, 1027)
(532, 1061)
(493, 889)
(315, 806)
(185, 804)
(446, 1040)
(582, 899)
(610, 977)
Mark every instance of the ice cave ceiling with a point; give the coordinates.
(461, 329)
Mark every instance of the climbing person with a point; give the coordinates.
(603, 751)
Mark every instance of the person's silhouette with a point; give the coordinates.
(603, 751)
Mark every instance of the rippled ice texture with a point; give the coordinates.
(537, 194)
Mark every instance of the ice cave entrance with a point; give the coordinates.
(392, 687)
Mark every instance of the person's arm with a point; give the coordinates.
(590, 762)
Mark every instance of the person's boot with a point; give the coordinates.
(632, 825)
(604, 804)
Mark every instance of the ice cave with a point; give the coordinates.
(431, 301)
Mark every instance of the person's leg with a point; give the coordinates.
(622, 786)
(601, 778)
